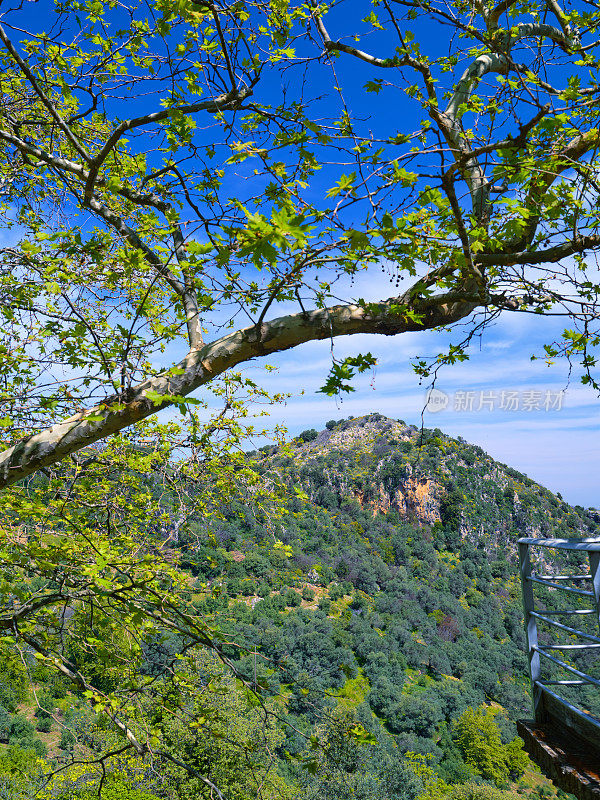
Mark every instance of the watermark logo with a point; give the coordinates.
(436, 400)
(525, 400)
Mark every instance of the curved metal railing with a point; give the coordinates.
(552, 704)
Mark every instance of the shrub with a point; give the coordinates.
(478, 738)
(325, 605)
(292, 598)
(44, 724)
(67, 739)
(8, 696)
(308, 436)
(46, 705)
(480, 791)
(336, 592)
(21, 729)
(5, 724)
(278, 601)
(38, 747)
(119, 791)
(57, 687)
(308, 594)
(359, 601)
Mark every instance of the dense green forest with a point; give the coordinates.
(190, 189)
(372, 642)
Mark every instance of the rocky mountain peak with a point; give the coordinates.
(427, 478)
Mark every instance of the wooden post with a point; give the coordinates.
(531, 630)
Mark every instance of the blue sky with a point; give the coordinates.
(558, 447)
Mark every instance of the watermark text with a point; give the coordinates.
(524, 400)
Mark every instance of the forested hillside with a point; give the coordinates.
(190, 189)
(399, 592)
(401, 582)
(377, 617)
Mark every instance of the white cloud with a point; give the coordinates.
(559, 449)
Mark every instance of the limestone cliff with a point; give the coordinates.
(428, 478)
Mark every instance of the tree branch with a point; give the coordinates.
(71, 672)
(191, 771)
(551, 255)
(360, 54)
(72, 167)
(574, 150)
(220, 103)
(202, 365)
(493, 17)
(42, 95)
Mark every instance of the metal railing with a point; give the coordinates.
(549, 704)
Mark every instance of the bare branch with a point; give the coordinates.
(221, 103)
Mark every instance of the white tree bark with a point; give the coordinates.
(200, 366)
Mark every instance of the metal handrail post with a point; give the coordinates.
(594, 564)
(531, 632)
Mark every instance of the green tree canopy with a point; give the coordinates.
(175, 173)
(190, 185)
(480, 743)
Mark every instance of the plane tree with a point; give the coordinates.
(187, 186)
(174, 174)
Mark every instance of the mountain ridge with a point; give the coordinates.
(385, 588)
(430, 478)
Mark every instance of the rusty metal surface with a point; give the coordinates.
(570, 762)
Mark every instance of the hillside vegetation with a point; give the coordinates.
(379, 618)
